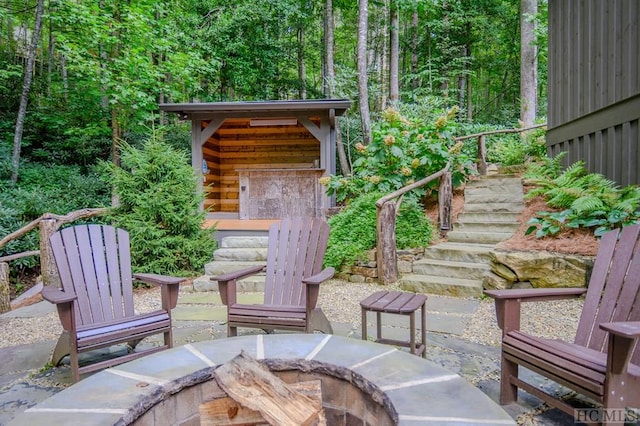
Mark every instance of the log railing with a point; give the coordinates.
(482, 146)
(48, 224)
(386, 211)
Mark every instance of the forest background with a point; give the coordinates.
(78, 79)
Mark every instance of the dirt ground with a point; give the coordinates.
(577, 241)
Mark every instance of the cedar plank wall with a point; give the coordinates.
(237, 145)
(594, 85)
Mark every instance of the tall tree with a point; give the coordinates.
(330, 84)
(394, 52)
(26, 88)
(363, 80)
(528, 62)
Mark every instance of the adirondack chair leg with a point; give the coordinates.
(61, 350)
(168, 338)
(319, 322)
(74, 363)
(131, 345)
(231, 331)
(508, 391)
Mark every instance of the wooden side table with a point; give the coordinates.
(400, 303)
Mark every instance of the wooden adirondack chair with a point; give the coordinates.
(293, 276)
(603, 363)
(95, 304)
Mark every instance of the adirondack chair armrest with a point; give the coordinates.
(64, 304)
(508, 302)
(156, 279)
(320, 277)
(227, 282)
(170, 286)
(312, 285)
(55, 295)
(621, 342)
(629, 329)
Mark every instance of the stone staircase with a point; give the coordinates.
(235, 253)
(456, 267)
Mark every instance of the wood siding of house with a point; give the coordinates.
(594, 85)
(237, 145)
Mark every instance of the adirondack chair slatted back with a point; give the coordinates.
(613, 293)
(94, 262)
(296, 250)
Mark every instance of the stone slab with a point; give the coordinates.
(36, 310)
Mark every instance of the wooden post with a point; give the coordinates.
(386, 254)
(482, 156)
(445, 200)
(47, 263)
(5, 293)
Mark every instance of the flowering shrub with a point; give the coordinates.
(402, 152)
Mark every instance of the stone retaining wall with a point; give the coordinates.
(537, 269)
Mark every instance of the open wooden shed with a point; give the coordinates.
(262, 160)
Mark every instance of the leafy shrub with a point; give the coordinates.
(402, 151)
(585, 200)
(44, 188)
(353, 230)
(159, 206)
(514, 149)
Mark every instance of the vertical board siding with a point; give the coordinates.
(236, 145)
(594, 67)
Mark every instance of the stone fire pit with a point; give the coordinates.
(362, 383)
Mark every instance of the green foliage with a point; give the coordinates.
(514, 149)
(353, 230)
(403, 151)
(44, 188)
(159, 206)
(585, 200)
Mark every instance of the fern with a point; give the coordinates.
(587, 205)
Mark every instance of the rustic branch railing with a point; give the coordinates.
(386, 211)
(48, 223)
(482, 147)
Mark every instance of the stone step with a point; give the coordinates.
(493, 198)
(456, 287)
(218, 267)
(494, 181)
(451, 269)
(488, 217)
(485, 207)
(460, 252)
(478, 237)
(514, 191)
(240, 254)
(495, 226)
(250, 284)
(244, 242)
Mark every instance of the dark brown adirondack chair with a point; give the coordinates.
(95, 303)
(603, 363)
(293, 276)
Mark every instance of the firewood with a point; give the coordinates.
(253, 386)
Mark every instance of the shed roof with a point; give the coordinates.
(257, 108)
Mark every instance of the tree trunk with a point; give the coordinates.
(302, 67)
(365, 117)
(414, 49)
(528, 62)
(394, 54)
(330, 83)
(24, 97)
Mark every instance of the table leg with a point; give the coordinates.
(378, 325)
(424, 329)
(364, 324)
(412, 336)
